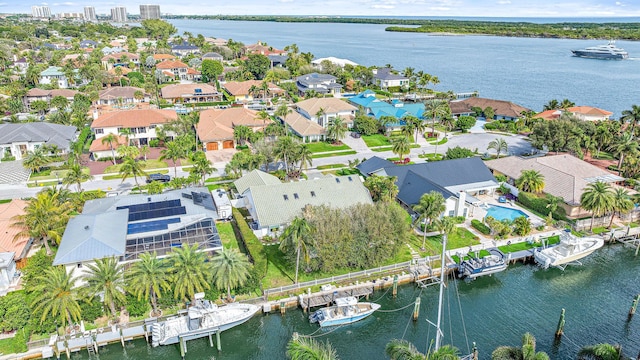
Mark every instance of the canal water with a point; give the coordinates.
(490, 311)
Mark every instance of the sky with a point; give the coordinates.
(478, 8)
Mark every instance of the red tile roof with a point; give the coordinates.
(589, 110)
(8, 240)
(134, 118)
(97, 145)
(218, 124)
(171, 64)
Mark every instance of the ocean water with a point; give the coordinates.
(527, 71)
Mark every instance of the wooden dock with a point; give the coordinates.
(93, 340)
(328, 296)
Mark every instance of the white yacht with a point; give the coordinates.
(345, 311)
(606, 52)
(570, 250)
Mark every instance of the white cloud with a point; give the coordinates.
(504, 2)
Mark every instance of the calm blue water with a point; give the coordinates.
(529, 72)
(501, 213)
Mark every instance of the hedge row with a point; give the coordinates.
(251, 242)
(480, 227)
(539, 205)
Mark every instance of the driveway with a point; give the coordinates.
(517, 144)
(356, 144)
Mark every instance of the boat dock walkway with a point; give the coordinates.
(92, 340)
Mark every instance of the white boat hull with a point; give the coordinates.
(344, 314)
(568, 251)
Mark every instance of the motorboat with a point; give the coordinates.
(345, 311)
(200, 319)
(570, 250)
(490, 264)
(605, 52)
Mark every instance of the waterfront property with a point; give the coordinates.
(385, 78)
(378, 108)
(13, 246)
(121, 95)
(565, 176)
(273, 205)
(248, 91)
(321, 83)
(18, 139)
(504, 213)
(127, 226)
(36, 94)
(190, 93)
(502, 110)
(584, 113)
(215, 129)
(141, 123)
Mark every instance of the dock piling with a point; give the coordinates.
(218, 340)
(395, 285)
(283, 308)
(183, 349)
(560, 329)
(210, 340)
(416, 309)
(475, 351)
(632, 311)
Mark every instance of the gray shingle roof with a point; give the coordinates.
(373, 164)
(55, 134)
(255, 178)
(278, 204)
(413, 186)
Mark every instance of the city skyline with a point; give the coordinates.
(471, 8)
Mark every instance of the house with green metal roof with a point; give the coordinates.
(54, 76)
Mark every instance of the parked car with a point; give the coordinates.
(355, 134)
(158, 177)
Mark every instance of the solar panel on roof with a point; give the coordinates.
(207, 201)
(197, 198)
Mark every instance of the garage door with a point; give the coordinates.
(212, 146)
(227, 144)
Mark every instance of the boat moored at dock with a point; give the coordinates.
(345, 311)
(570, 250)
(488, 265)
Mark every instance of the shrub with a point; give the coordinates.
(251, 242)
(106, 158)
(539, 205)
(484, 229)
(8, 158)
(14, 311)
(154, 143)
(137, 307)
(91, 310)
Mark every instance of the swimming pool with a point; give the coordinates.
(500, 213)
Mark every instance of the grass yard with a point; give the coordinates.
(481, 254)
(227, 236)
(603, 155)
(316, 147)
(341, 153)
(54, 174)
(599, 230)
(461, 238)
(526, 246)
(118, 176)
(389, 148)
(149, 164)
(431, 157)
(376, 140)
(42, 184)
(331, 166)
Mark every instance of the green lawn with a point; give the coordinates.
(149, 164)
(389, 148)
(526, 246)
(461, 238)
(321, 146)
(53, 174)
(431, 157)
(227, 236)
(118, 176)
(599, 230)
(42, 184)
(481, 254)
(350, 152)
(434, 141)
(331, 166)
(603, 155)
(376, 140)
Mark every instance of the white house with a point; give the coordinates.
(385, 78)
(54, 76)
(18, 139)
(323, 110)
(141, 123)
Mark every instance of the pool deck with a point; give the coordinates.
(479, 212)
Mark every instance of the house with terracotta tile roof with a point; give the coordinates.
(247, 91)
(180, 70)
(503, 110)
(590, 113)
(36, 94)
(553, 114)
(162, 57)
(119, 59)
(121, 95)
(14, 247)
(262, 49)
(215, 129)
(99, 149)
(141, 123)
(190, 93)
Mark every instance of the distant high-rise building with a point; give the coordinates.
(40, 11)
(149, 12)
(70, 15)
(119, 14)
(90, 13)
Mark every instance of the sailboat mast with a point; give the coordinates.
(442, 274)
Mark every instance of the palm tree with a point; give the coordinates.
(111, 139)
(106, 276)
(282, 111)
(264, 116)
(201, 166)
(320, 115)
(285, 150)
(631, 116)
(173, 151)
(436, 109)
(401, 146)
(625, 144)
(530, 181)
(297, 237)
(306, 348)
(601, 352)
(336, 129)
(445, 225)
(622, 203)
(404, 350)
(230, 270)
(149, 278)
(429, 208)
(566, 104)
(76, 175)
(36, 160)
(603, 136)
(553, 202)
(552, 105)
(305, 156)
(499, 145)
(130, 167)
(241, 133)
(190, 271)
(522, 225)
(597, 198)
(526, 352)
(56, 296)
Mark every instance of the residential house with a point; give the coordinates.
(212, 56)
(74, 59)
(36, 94)
(16, 139)
(385, 78)
(179, 70)
(14, 247)
(503, 110)
(378, 108)
(262, 49)
(162, 57)
(20, 65)
(565, 176)
(253, 178)
(215, 128)
(88, 44)
(190, 93)
(54, 76)
(141, 123)
(112, 50)
(120, 59)
(553, 114)
(321, 83)
(308, 130)
(121, 96)
(184, 49)
(458, 180)
(216, 41)
(334, 60)
(589, 113)
(250, 90)
(279, 60)
(100, 149)
(126, 227)
(274, 205)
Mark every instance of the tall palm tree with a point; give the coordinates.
(622, 203)
(190, 271)
(601, 352)
(401, 146)
(404, 350)
(625, 144)
(305, 156)
(130, 167)
(552, 105)
(297, 238)
(285, 150)
(76, 175)
(36, 160)
(230, 270)
(526, 352)
(111, 139)
(603, 137)
(436, 109)
(530, 181)
(597, 198)
(106, 276)
(264, 116)
(566, 104)
(499, 145)
(337, 129)
(306, 348)
(148, 278)
(56, 295)
(320, 115)
(174, 151)
(632, 117)
(201, 166)
(553, 202)
(241, 133)
(429, 208)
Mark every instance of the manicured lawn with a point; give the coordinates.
(42, 184)
(461, 238)
(350, 152)
(376, 140)
(434, 141)
(4, 201)
(603, 155)
(331, 166)
(227, 236)
(118, 176)
(389, 148)
(54, 174)
(526, 246)
(149, 164)
(481, 254)
(599, 230)
(317, 147)
(431, 157)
